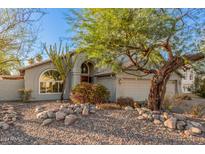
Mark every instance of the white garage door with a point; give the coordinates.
(139, 89)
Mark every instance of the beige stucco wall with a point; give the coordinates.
(110, 84)
(32, 82)
(9, 89)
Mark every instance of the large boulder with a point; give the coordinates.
(129, 108)
(42, 115)
(47, 122)
(157, 122)
(140, 111)
(70, 119)
(165, 115)
(51, 114)
(85, 111)
(60, 115)
(181, 125)
(171, 123)
(39, 109)
(180, 117)
(4, 126)
(195, 130)
(78, 110)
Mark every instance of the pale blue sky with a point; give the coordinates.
(53, 28)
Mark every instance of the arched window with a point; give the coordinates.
(84, 69)
(50, 82)
(86, 72)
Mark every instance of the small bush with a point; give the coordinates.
(109, 106)
(167, 104)
(25, 94)
(197, 110)
(127, 101)
(99, 94)
(89, 93)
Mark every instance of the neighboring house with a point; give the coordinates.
(188, 80)
(45, 82)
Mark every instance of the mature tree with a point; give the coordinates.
(63, 61)
(17, 34)
(153, 42)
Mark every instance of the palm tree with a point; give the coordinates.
(31, 61)
(39, 58)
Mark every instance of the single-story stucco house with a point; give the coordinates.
(45, 83)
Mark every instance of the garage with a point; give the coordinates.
(139, 89)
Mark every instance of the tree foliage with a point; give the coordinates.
(17, 35)
(141, 41)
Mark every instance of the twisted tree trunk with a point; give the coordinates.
(157, 91)
(160, 79)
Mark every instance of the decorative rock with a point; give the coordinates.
(4, 125)
(146, 109)
(39, 109)
(70, 119)
(92, 109)
(145, 115)
(60, 115)
(140, 111)
(195, 124)
(165, 115)
(42, 115)
(78, 110)
(157, 122)
(162, 118)
(140, 118)
(47, 122)
(156, 112)
(170, 123)
(156, 116)
(150, 118)
(85, 111)
(51, 114)
(65, 110)
(180, 117)
(195, 130)
(129, 108)
(187, 133)
(14, 119)
(181, 125)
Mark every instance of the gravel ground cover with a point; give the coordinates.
(103, 127)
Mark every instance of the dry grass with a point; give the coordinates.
(109, 106)
(197, 110)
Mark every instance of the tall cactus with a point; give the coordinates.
(63, 60)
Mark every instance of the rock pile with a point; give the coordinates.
(171, 121)
(7, 116)
(69, 113)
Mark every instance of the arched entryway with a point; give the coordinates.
(87, 72)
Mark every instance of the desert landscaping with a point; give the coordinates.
(67, 123)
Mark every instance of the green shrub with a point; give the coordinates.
(199, 87)
(89, 93)
(25, 94)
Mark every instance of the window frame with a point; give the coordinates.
(39, 83)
